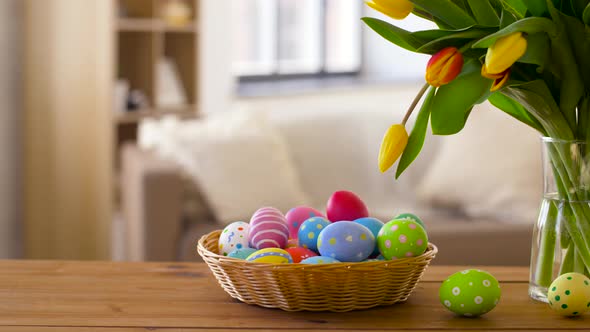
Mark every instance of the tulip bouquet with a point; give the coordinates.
(530, 59)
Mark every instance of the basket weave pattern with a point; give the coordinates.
(325, 287)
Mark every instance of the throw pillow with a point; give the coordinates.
(240, 162)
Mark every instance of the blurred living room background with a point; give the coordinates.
(132, 127)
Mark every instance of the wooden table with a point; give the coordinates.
(114, 297)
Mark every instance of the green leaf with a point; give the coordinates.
(536, 7)
(416, 139)
(514, 109)
(453, 102)
(536, 98)
(516, 7)
(572, 88)
(506, 19)
(484, 13)
(398, 36)
(538, 51)
(447, 11)
(586, 15)
(529, 25)
(578, 7)
(453, 39)
(579, 38)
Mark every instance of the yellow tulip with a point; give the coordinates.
(505, 52)
(393, 144)
(396, 9)
(499, 79)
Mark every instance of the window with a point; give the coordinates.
(296, 38)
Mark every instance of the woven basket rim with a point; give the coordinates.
(430, 252)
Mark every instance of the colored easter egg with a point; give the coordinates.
(374, 225)
(569, 294)
(296, 216)
(411, 217)
(346, 242)
(299, 253)
(241, 253)
(345, 205)
(319, 260)
(402, 238)
(271, 256)
(268, 229)
(309, 232)
(234, 236)
(470, 293)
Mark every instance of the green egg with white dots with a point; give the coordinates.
(569, 294)
(470, 293)
(401, 238)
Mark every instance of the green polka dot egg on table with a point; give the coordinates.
(569, 294)
(470, 293)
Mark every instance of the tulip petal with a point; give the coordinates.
(393, 144)
(500, 81)
(444, 66)
(505, 52)
(396, 9)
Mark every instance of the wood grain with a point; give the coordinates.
(185, 297)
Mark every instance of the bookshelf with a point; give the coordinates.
(142, 40)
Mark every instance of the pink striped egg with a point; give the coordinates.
(268, 229)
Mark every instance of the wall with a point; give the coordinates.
(10, 114)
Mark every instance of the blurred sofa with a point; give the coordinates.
(477, 191)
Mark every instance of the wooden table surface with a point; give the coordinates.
(108, 296)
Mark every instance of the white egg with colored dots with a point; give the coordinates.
(346, 241)
(234, 236)
(310, 230)
(569, 294)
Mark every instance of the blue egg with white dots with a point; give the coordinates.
(374, 225)
(242, 253)
(310, 230)
(346, 241)
(319, 260)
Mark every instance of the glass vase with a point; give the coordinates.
(561, 236)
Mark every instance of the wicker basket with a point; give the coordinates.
(323, 287)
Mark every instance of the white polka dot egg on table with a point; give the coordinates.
(569, 294)
(401, 238)
(470, 293)
(346, 241)
(271, 256)
(234, 236)
(309, 232)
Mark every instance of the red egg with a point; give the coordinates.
(345, 205)
(298, 253)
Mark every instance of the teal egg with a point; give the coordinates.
(374, 225)
(411, 217)
(241, 253)
(319, 260)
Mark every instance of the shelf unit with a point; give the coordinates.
(142, 40)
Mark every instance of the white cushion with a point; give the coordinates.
(238, 159)
(491, 169)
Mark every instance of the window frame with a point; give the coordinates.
(322, 73)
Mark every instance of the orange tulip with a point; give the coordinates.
(444, 66)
